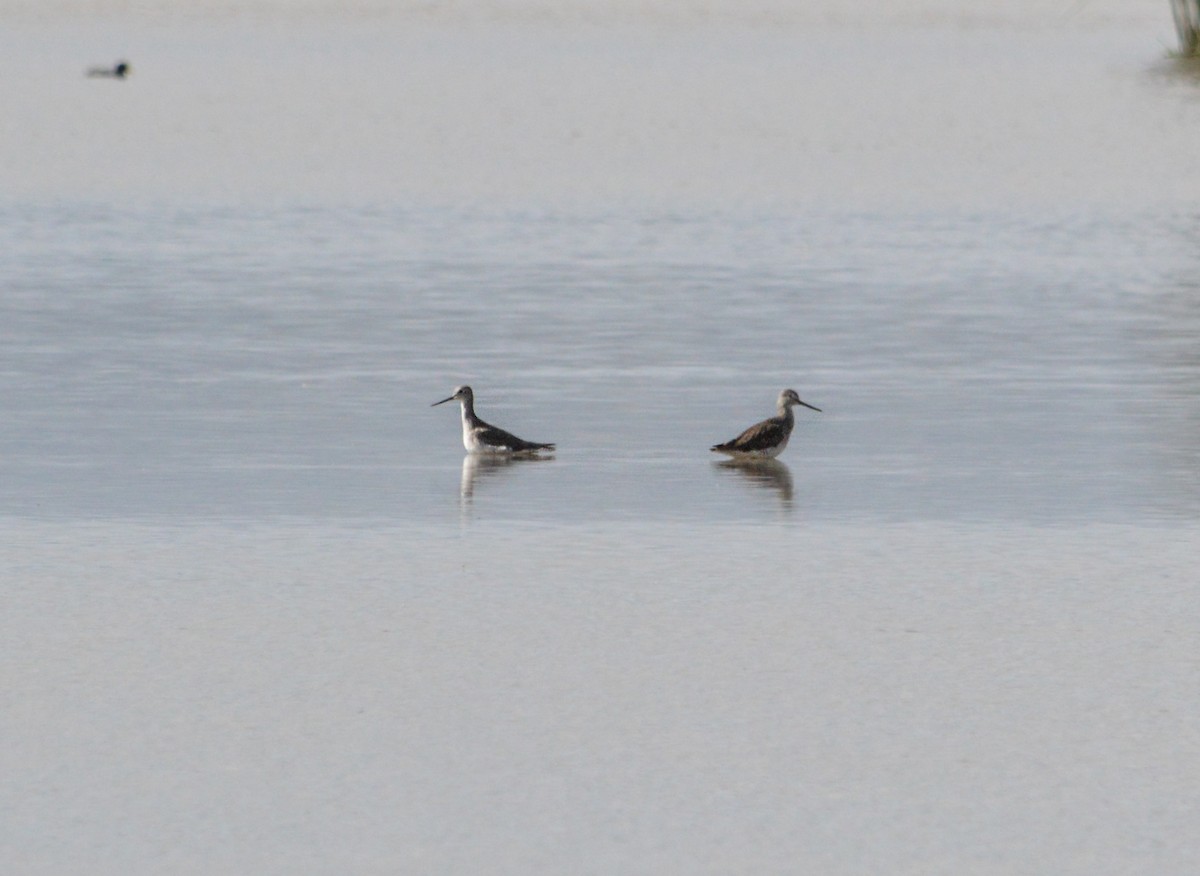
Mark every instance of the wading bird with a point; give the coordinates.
(767, 439)
(481, 437)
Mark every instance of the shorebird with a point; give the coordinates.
(481, 437)
(767, 439)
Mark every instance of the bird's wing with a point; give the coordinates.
(494, 436)
(760, 436)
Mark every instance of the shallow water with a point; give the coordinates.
(986, 367)
(619, 697)
(262, 615)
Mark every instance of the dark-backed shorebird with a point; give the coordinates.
(767, 439)
(481, 437)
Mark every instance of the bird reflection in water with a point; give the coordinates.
(767, 474)
(480, 467)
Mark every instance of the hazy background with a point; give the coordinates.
(662, 104)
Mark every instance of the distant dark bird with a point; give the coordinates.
(119, 71)
(767, 439)
(481, 437)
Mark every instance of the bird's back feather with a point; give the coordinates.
(759, 437)
(490, 436)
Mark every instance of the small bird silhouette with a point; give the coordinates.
(118, 71)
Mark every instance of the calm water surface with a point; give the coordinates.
(195, 364)
(261, 615)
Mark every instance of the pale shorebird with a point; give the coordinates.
(481, 437)
(767, 439)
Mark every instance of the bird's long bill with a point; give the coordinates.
(442, 402)
(806, 404)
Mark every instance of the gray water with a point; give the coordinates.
(261, 614)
